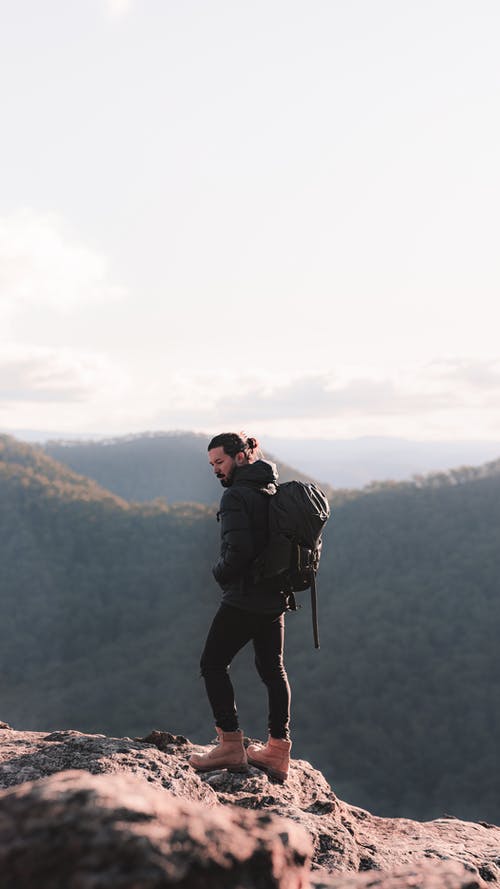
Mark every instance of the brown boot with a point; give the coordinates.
(273, 757)
(228, 754)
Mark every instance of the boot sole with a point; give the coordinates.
(273, 773)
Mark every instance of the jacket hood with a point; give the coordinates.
(261, 475)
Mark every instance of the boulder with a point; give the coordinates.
(86, 831)
(346, 842)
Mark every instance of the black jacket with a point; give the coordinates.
(243, 514)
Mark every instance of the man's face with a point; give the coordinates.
(224, 465)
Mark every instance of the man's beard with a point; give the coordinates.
(227, 480)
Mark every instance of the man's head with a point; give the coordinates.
(229, 450)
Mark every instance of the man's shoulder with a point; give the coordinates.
(238, 494)
(231, 495)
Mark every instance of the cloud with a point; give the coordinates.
(118, 8)
(477, 374)
(41, 266)
(440, 387)
(35, 374)
(440, 400)
(316, 397)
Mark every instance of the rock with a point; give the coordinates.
(390, 842)
(26, 756)
(345, 839)
(445, 875)
(80, 830)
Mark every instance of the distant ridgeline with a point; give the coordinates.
(104, 606)
(170, 465)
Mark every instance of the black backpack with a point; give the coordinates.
(298, 513)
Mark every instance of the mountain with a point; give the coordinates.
(89, 810)
(357, 462)
(104, 607)
(170, 465)
(338, 463)
(29, 466)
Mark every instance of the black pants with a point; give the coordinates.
(231, 629)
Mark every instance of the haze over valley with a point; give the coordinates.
(336, 462)
(104, 606)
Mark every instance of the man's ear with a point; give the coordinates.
(240, 458)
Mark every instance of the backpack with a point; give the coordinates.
(298, 513)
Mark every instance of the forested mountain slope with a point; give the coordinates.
(170, 465)
(29, 466)
(104, 607)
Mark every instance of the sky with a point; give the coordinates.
(281, 216)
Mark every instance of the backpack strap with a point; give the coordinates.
(314, 608)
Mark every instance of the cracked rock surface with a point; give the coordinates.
(84, 810)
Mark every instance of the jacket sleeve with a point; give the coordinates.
(237, 547)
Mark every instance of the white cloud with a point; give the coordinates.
(118, 8)
(434, 400)
(53, 373)
(315, 397)
(42, 267)
(36, 374)
(469, 374)
(85, 392)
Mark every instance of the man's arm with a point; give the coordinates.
(237, 548)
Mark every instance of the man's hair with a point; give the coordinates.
(234, 442)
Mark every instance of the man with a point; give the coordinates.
(249, 611)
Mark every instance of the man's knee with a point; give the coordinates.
(270, 672)
(212, 668)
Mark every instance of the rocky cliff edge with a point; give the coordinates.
(81, 811)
